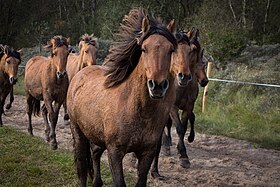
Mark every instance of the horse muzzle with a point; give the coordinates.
(60, 75)
(203, 82)
(157, 91)
(183, 79)
(13, 80)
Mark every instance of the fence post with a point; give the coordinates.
(205, 93)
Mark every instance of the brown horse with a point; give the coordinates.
(9, 62)
(121, 106)
(86, 56)
(46, 80)
(76, 61)
(185, 100)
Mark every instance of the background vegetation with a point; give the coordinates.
(226, 25)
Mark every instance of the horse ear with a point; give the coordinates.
(171, 26)
(145, 24)
(48, 47)
(188, 34)
(7, 50)
(68, 41)
(20, 51)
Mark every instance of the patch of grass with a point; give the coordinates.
(28, 161)
(247, 113)
(19, 87)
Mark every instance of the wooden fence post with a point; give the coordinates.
(205, 93)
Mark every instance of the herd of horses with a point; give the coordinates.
(150, 73)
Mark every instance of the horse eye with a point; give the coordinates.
(8, 61)
(86, 51)
(143, 50)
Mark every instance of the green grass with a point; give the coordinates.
(29, 161)
(19, 87)
(246, 113)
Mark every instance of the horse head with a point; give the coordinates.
(88, 50)
(200, 71)
(181, 60)
(11, 62)
(157, 45)
(197, 64)
(59, 47)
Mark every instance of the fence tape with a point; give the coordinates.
(240, 82)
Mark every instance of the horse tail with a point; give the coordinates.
(36, 107)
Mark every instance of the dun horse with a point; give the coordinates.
(46, 80)
(9, 62)
(86, 56)
(123, 105)
(185, 100)
(76, 61)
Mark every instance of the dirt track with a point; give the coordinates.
(216, 161)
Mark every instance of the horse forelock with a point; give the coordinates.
(59, 41)
(124, 54)
(181, 37)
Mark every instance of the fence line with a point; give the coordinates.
(241, 82)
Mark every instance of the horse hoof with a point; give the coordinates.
(30, 132)
(66, 117)
(54, 146)
(185, 163)
(8, 106)
(166, 150)
(190, 139)
(156, 175)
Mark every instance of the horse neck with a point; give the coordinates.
(80, 62)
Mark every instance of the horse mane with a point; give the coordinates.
(89, 39)
(124, 54)
(182, 37)
(57, 41)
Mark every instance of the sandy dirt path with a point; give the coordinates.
(216, 160)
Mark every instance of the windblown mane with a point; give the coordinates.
(89, 39)
(59, 41)
(124, 54)
(181, 37)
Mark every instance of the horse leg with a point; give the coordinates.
(29, 110)
(66, 116)
(81, 150)
(144, 164)
(115, 158)
(2, 101)
(184, 160)
(8, 106)
(53, 116)
(96, 153)
(192, 133)
(166, 138)
(47, 126)
(154, 169)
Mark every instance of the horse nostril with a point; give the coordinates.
(165, 84)
(189, 77)
(181, 75)
(204, 82)
(151, 84)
